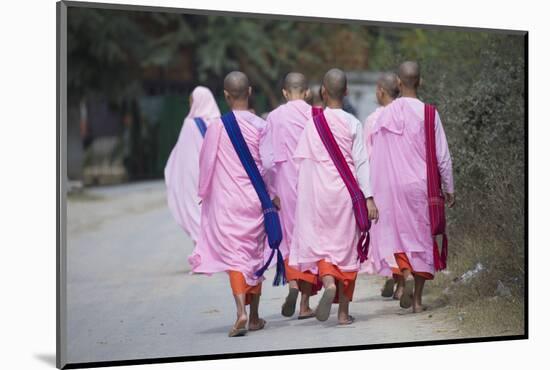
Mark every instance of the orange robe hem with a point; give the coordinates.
(404, 264)
(396, 273)
(346, 278)
(306, 276)
(239, 286)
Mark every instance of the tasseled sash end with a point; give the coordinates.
(440, 260)
(280, 276)
(274, 236)
(363, 246)
(264, 268)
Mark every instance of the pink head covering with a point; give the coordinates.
(203, 105)
(182, 169)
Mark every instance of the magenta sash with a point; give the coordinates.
(316, 110)
(436, 200)
(357, 197)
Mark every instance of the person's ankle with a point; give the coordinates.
(343, 315)
(293, 286)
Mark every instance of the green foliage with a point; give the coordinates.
(109, 50)
(476, 79)
(480, 96)
(263, 49)
(103, 48)
(162, 47)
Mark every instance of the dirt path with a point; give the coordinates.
(130, 294)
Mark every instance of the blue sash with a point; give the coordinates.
(200, 125)
(272, 223)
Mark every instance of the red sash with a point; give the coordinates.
(436, 200)
(316, 110)
(357, 197)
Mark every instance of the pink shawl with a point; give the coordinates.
(182, 169)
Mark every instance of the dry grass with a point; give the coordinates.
(483, 108)
(491, 302)
(494, 316)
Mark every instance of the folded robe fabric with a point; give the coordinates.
(271, 218)
(436, 201)
(285, 125)
(232, 233)
(399, 184)
(370, 265)
(325, 228)
(357, 197)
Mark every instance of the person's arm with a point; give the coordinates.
(444, 161)
(361, 163)
(367, 130)
(360, 159)
(267, 155)
(207, 157)
(266, 145)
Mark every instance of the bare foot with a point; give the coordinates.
(406, 299)
(239, 328)
(418, 308)
(257, 324)
(398, 293)
(306, 313)
(322, 312)
(241, 322)
(345, 319)
(289, 306)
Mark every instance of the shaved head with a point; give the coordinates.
(295, 81)
(316, 97)
(390, 83)
(335, 83)
(236, 84)
(409, 74)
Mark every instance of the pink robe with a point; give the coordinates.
(182, 168)
(369, 266)
(232, 235)
(325, 227)
(368, 126)
(279, 140)
(398, 167)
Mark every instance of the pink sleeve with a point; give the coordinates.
(444, 161)
(367, 133)
(207, 158)
(266, 145)
(267, 156)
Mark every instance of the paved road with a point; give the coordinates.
(130, 294)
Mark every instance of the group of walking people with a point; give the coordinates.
(313, 194)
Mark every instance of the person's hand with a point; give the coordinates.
(371, 207)
(450, 199)
(277, 203)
